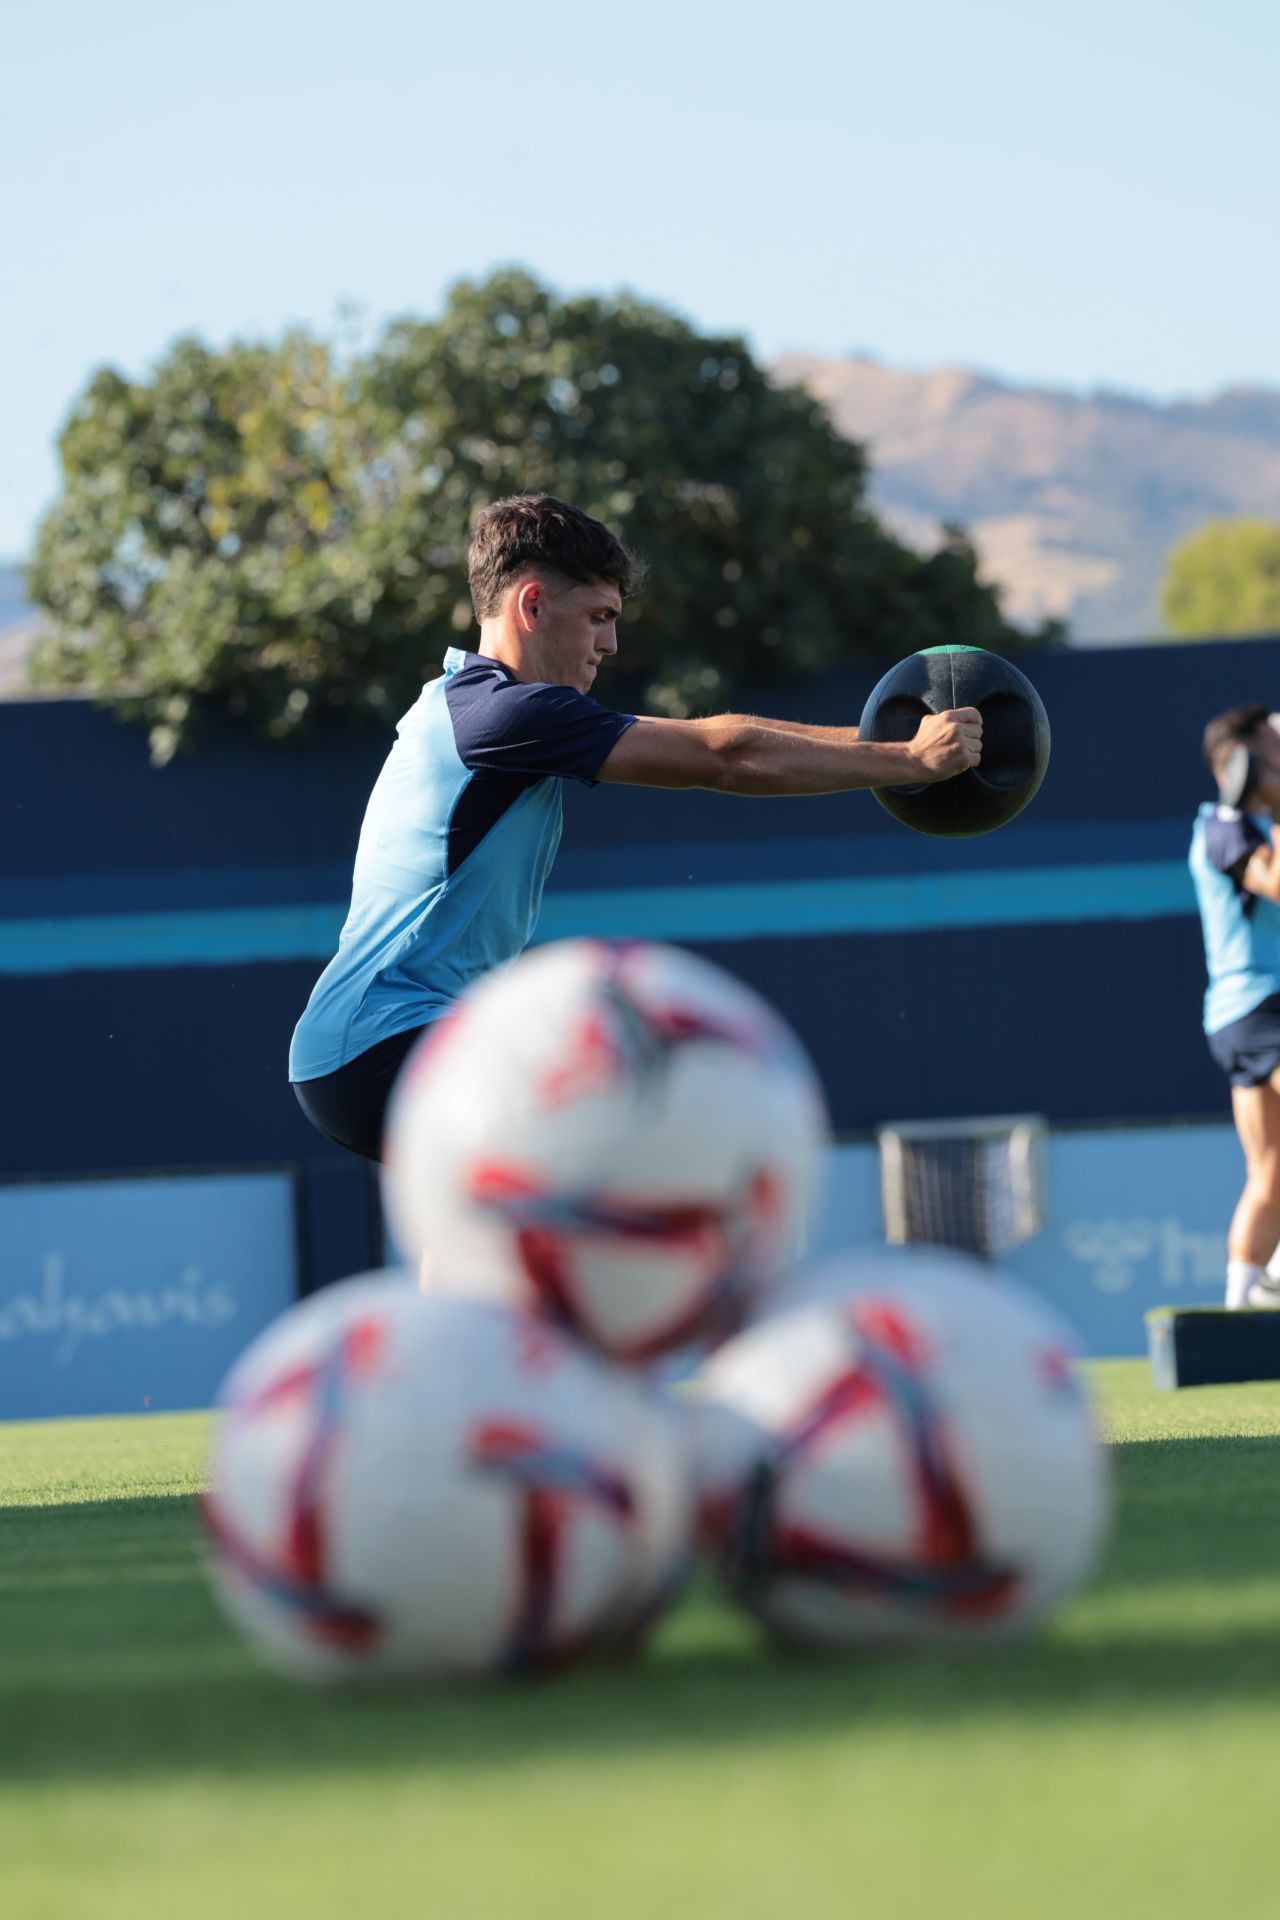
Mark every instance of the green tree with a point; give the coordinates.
(1224, 579)
(234, 531)
(282, 533)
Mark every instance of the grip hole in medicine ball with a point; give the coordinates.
(1015, 738)
(1008, 743)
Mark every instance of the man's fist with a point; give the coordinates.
(947, 743)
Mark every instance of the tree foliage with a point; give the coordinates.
(235, 531)
(1224, 579)
(282, 532)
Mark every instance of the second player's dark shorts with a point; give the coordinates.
(1248, 1050)
(349, 1105)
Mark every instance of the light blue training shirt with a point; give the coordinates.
(1241, 930)
(458, 839)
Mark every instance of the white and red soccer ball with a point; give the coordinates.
(624, 1137)
(424, 1485)
(907, 1455)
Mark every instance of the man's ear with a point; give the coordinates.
(528, 603)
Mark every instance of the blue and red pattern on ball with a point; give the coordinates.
(620, 1035)
(297, 1579)
(954, 1577)
(545, 1227)
(554, 1480)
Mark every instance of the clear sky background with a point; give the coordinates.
(1080, 195)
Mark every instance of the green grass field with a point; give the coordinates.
(1126, 1764)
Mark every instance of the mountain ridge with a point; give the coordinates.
(1073, 500)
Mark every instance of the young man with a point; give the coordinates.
(464, 819)
(1235, 863)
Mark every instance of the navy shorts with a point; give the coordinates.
(349, 1105)
(1248, 1050)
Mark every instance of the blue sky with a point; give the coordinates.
(1080, 195)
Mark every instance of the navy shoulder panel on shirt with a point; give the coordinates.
(479, 807)
(509, 726)
(1230, 837)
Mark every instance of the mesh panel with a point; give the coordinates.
(976, 1185)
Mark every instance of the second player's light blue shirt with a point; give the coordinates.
(1241, 930)
(458, 839)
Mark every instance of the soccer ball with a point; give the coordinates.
(424, 1485)
(876, 1265)
(908, 1456)
(623, 1136)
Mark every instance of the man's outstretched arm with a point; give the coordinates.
(843, 736)
(733, 753)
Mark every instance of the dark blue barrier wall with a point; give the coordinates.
(160, 929)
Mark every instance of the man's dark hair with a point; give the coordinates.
(535, 532)
(1233, 728)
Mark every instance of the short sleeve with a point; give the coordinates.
(512, 726)
(1230, 837)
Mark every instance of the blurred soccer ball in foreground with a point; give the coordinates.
(908, 1456)
(624, 1136)
(405, 1484)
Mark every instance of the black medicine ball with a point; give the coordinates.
(1015, 738)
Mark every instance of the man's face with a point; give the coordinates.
(571, 629)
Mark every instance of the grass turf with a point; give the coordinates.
(1122, 1765)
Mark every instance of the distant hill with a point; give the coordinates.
(1073, 501)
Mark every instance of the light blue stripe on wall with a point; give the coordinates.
(213, 937)
(777, 909)
(913, 903)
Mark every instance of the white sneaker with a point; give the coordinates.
(1261, 1293)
